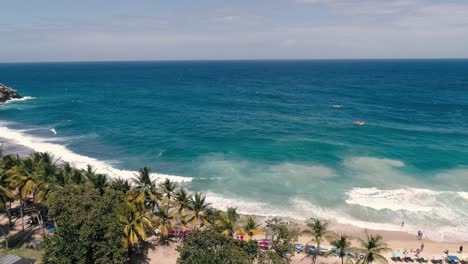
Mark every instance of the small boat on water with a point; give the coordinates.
(359, 123)
(53, 131)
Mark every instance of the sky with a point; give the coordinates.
(102, 30)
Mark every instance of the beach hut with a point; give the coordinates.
(13, 259)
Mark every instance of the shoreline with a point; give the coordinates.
(405, 235)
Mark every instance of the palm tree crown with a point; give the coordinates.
(342, 248)
(373, 247)
(250, 227)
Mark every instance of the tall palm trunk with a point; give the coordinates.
(317, 250)
(8, 210)
(21, 212)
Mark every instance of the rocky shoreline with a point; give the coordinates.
(7, 93)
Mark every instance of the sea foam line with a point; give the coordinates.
(25, 98)
(78, 161)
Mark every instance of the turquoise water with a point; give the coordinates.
(266, 136)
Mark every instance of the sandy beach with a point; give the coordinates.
(396, 240)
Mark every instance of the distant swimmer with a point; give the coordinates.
(53, 131)
(359, 123)
(337, 106)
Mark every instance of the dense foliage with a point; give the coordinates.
(284, 235)
(89, 228)
(101, 220)
(212, 247)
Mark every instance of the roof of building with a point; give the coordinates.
(13, 259)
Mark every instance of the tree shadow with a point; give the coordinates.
(141, 255)
(19, 238)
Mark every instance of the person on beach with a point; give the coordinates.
(422, 247)
(461, 249)
(402, 224)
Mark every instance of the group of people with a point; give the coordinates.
(460, 250)
(420, 236)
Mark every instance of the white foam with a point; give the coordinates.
(440, 214)
(301, 210)
(79, 161)
(463, 194)
(408, 199)
(298, 209)
(25, 98)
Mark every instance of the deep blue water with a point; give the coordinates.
(263, 135)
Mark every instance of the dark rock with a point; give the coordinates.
(7, 93)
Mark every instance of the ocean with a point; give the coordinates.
(272, 138)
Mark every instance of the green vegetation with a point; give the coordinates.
(342, 248)
(319, 231)
(212, 247)
(373, 247)
(86, 217)
(88, 230)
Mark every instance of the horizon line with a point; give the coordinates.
(231, 60)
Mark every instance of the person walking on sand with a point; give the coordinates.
(461, 249)
(422, 247)
(402, 224)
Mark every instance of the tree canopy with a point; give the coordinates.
(88, 230)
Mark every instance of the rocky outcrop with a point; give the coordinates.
(7, 93)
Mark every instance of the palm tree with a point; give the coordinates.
(136, 224)
(25, 179)
(228, 222)
(250, 227)
(198, 207)
(163, 221)
(342, 248)
(121, 185)
(5, 192)
(319, 230)
(99, 181)
(145, 188)
(182, 224)
(373, 247)
(168, 188)
(182, 201)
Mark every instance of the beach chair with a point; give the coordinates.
(437, 259)
(323, 250)
(310, 249)
(409, 257)
(396, 256)
(452, 259)
(299, 248)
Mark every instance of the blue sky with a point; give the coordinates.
(93, 30)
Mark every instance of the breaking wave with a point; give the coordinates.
(80, 161)
(25, 98)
